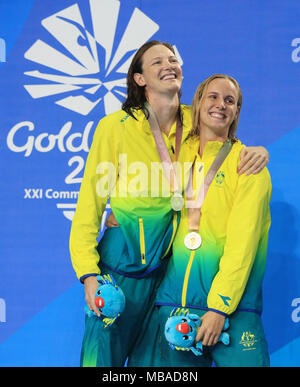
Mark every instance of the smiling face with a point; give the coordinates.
(161, 72)
(218, 107)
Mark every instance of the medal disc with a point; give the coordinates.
(177, 201)
(192, 240)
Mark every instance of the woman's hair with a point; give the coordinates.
(136, 94)
(197, 102)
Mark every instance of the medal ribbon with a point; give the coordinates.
(162, 148)
(194, 207)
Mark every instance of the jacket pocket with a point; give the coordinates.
(175, 216)
(142, 241)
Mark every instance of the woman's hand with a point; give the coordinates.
(253, 160)
(90, 287)
(211, 327)
(111, 221)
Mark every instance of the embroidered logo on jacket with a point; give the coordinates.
(225, 299)
(220, 176)
(248, 340)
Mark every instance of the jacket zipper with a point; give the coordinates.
(186, 278)
(142, 241)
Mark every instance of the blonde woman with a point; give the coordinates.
(218, 273)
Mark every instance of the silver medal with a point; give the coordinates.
(177, 201)
(192, 240)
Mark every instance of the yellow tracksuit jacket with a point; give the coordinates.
(124, 165)
(226, 272)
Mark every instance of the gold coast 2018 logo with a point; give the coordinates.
(80, 65)
(83, 71)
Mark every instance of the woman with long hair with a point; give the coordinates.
(127, 147)
(219, 252)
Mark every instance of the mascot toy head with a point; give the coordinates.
(181, 331)
(109, 299)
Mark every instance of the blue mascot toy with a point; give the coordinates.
(109, 299)
(181, 331)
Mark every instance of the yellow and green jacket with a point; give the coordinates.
(226, 272)
(124, 165)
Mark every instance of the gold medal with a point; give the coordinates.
(192, 240)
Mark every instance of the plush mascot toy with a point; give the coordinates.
(109, 299)
(181, 331)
